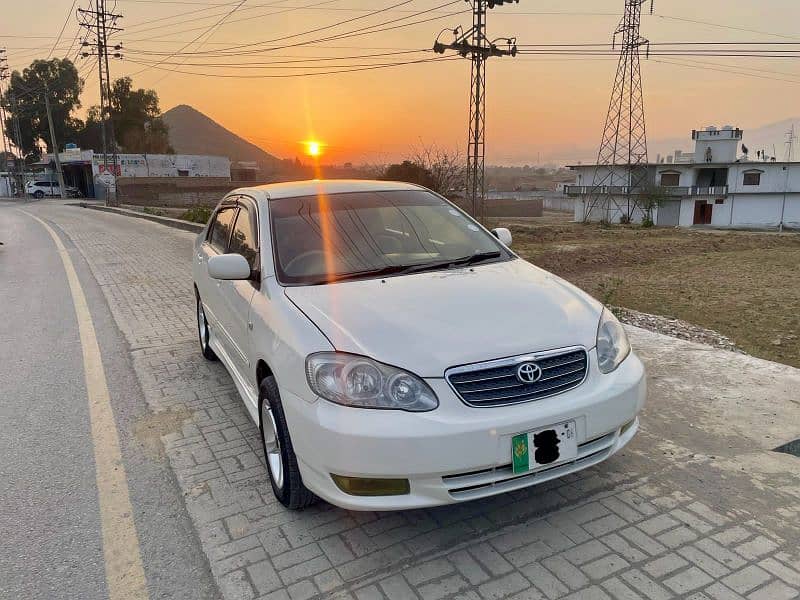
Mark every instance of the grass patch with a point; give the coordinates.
(745, 285)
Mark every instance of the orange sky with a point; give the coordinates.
(535, 105)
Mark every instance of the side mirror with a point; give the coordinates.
(502, 234)
(228, 266)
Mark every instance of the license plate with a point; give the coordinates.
(544, 447)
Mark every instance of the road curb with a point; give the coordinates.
(168, 221)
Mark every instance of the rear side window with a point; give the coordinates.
(244, 239)
(221, 229)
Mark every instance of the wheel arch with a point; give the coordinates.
(263, 370)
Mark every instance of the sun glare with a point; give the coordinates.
(313, 148)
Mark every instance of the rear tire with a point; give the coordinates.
(284, 474)
(38, 194)
(204, 332)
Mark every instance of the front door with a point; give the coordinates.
(210, 290)
(702, 212)
(237, 295)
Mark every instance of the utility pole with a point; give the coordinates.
(3, 76)
(475, 45)
(54, 142)
(100, 24)
(16, 135)
(622, 159)
(20, 160)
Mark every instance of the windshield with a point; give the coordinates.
(319, 239)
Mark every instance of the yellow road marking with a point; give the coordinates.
(124, 572)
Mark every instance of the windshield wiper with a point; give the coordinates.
(454, 262)
(388, 270)
(477, 257)
(406, 269)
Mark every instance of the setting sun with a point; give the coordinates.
(313, 148)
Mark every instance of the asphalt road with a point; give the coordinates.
(50, 519)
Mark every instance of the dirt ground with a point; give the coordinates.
(745, 285)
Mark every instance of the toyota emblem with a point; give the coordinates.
(529, 372)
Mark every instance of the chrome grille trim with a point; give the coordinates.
(493, 383)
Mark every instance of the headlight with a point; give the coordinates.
(612, 343)
(358, 381)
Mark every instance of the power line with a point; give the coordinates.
(300, 60)
(63, 27)
(209, 32)
(731, 27)
(292, 75)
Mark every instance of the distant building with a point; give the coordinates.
(245, 170)
(81, 168)
(716, 185)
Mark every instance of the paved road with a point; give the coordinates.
(51, 543)
(697, 506)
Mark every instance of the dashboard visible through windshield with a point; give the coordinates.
(328, 238)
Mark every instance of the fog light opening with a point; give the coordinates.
(367, 486)
(627, 426)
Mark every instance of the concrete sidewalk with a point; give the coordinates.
(697, 506)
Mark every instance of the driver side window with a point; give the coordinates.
(221, 229)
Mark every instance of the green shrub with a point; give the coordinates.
(197, 214)
(607, 290)
(153, 211)
(647, 221)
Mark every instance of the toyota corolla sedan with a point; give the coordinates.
(396, 354)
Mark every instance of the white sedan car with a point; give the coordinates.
(395, 354)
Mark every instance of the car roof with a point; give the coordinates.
(313, 187)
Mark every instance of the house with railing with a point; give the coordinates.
(718, 185)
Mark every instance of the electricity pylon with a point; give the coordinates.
(475, 45)
(621, 168)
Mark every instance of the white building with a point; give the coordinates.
(716, 186)
(81, 168)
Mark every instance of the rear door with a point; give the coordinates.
(237, 295)
(216, 242)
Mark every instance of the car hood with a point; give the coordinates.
(427, 322)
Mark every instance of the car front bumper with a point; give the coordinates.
(457, 452)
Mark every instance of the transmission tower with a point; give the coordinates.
(791, 138)
(621, 168)
(475, 45)
(100, 24)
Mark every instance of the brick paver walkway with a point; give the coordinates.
(693, 508)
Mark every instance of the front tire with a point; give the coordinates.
(38, 194)
(284, 474)
(204, 332)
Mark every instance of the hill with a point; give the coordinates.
(192, 132)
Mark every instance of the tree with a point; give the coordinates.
(136, 116)
(431, 166)
(652, 196)
(445, 168)
(60, 78)
(410, 172)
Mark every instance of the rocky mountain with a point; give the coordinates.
(192, 132)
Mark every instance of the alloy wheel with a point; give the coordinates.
(202, 325)
(272, 444)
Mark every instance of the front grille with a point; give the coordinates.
(495, 383)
